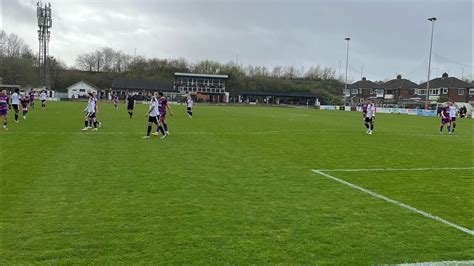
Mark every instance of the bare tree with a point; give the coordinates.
(12, 46)
(108, 57)
(98, 58)
(277, 72)
(86, 62)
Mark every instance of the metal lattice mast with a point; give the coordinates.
(44, 34)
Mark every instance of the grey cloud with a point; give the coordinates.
(388, 37)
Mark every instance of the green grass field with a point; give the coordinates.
(233, 185)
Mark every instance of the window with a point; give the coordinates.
(82, 90)
(471, 92)
(389, 91)
(354, 91)
(360, 91)
(371, 91)
(460, 91)
(445, 90)
(421, 91)
(434, 91)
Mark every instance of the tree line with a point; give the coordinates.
(19, 65)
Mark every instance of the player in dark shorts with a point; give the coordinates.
(115, 99)
(90, 111)
(4, 108)
(163, 105)
(369, 117)
(445, 119)
(24, 101)
(32, 99)
(453, 114)
(96, 108)
(153, 115)
(130, 104)
(43, 97)
(189, 106)
(15, 102)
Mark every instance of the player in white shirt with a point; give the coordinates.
(189, 105)
(15, 100)
(370, 117)
(90, 113)
(43, 99)
(153, 115)
(96, 108)
(453, 113)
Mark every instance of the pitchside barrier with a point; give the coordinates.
(403, 111)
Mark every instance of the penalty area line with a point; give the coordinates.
(400, 204)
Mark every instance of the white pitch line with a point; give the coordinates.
(440, 263)
(403, 205)
(396, 169)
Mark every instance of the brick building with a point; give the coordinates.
(455, 89)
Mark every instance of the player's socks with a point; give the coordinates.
(449, 129)
(372, 127)
(165, 126)
(130, 114)
(16, 117)
(441, 129)
(86, 123)
(367, 126)
(148, 131)
(160, 128)
(454, 126)
(95, 124)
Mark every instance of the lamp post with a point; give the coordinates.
(347, 66)
(433, 19)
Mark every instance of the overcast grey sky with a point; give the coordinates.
(388, 36)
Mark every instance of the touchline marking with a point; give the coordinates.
(435, 263)
(403, 205)
(396, 169)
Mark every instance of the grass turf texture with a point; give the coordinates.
(232, 185)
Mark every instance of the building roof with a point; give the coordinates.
(177, 74)
(399, 83)
(87, 83)
(152, 85)
(364, 83)
(447, 82)
(279, 94)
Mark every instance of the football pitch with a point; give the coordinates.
(235, 185)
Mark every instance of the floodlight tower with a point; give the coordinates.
(347, 66)
(45, 23)
(433, 19)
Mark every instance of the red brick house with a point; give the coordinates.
(399, 90)
(364, 89)
(455, 89)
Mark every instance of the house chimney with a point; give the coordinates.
(445, 75)
(364, 78)
(399, 76)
